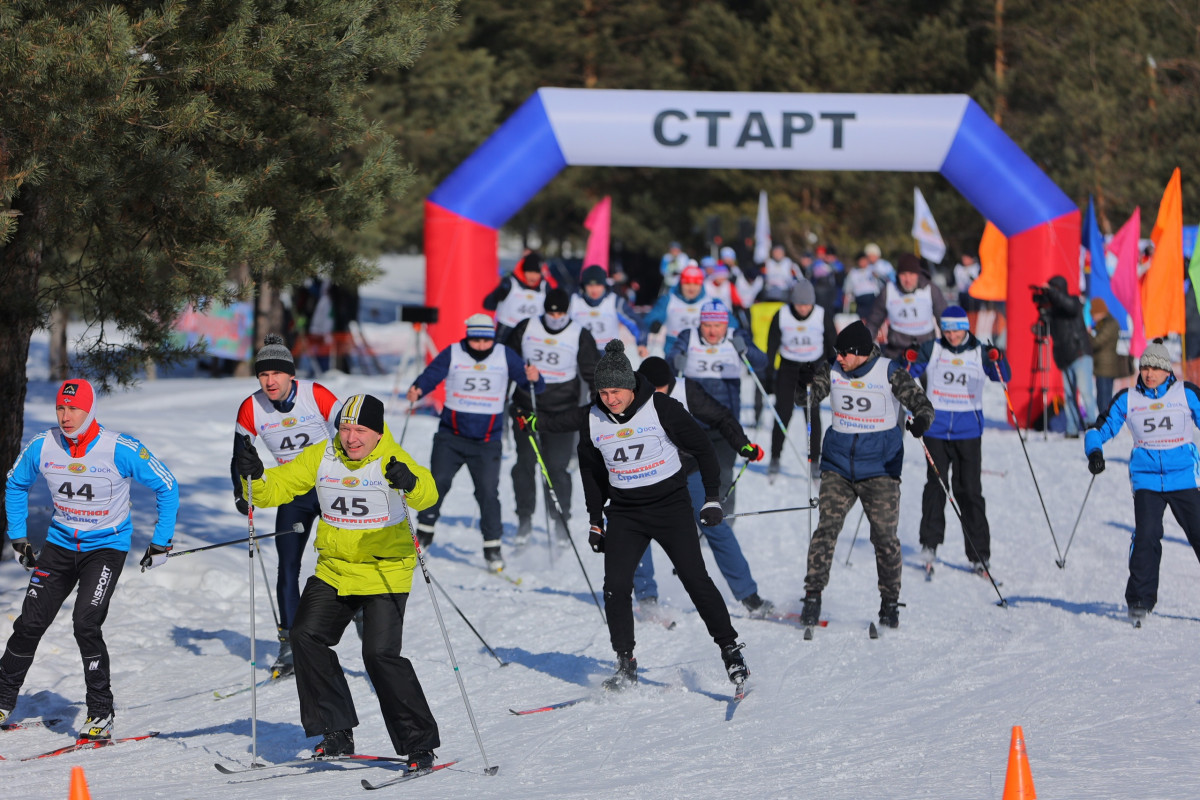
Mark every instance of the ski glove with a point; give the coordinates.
(1095, 463)
(752, 452)
(993, 354)
(249, 465)
(156, 556)
(739, 346)
(526, 422)
(711, 514)
(399, 476)
(596, 538)
(911, 355)
(917, 426)
(25, 553)
(242, 506)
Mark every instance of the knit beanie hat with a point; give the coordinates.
(593, 274)
(480, 326)
(691, 275)
(954, 318)
(908, 263)
(1155, 355)
(656, 370)
(714, 311)
(803, 293)
(531, 262)
(78, 393)
(613, 370)
(363, 409)
(855, 339)
(274, 356)
(557, 300)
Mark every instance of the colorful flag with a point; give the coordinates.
(925, 230)
(599, 222)
(762, 230)
(1099, 285)
(992, 283)
(1162, 285)
(1194, 273)
(1125, 278)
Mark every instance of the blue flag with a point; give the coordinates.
(1098, 283)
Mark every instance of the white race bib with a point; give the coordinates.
(863, 405)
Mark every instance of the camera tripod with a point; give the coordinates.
(1041, 370)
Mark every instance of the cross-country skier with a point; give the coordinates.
(955, 367)
(477, 371)
(290, 415)
(565, 354)
(599, 309)
(861, 460)
(365, 560)
(88, 469)
(519, 296)
(725, 548)
(907, 310)
(802, 336)
(629, 459)
(713, 355)
(678, 309)
(1163, 466)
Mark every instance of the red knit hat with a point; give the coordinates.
(76, 393)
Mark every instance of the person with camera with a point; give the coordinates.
(1160, 411)
(1072, 351)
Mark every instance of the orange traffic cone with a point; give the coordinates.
(1018, 783)
(79, 790)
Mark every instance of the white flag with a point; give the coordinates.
(762, 230)
(925, 230)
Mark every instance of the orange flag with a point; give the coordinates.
(992, 283)
(1162, 285)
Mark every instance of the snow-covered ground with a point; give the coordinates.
(924, 712)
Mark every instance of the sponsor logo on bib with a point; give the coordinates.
(551, 342)
(290, 422)
(624, 433)
(77, 468)
(479, 367)
(1153, 407)
(857, 384)
(958, 362)
(711, 350)
(350, 482)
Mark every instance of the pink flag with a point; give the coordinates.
(599, 222)
(1125, 278)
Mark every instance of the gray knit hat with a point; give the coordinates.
(613, 370)
(803, 293)
(274, 356)
(1155, 355)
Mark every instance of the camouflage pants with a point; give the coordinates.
(880, 499)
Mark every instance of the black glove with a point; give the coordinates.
(242, 506)
(751, 452)
(739, 345)
(249, 465)
(711, 514)
(596, 538)
(526, 422)
(25, 553)
(399, 476)
(155, 556)
(917, 426)
(1095, 463)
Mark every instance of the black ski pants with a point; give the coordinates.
(791, 389)
(325, 701)
(557, 449)
(960, 462)
(1145, 551)
(58, 572)
(672, 524)
(482, 459)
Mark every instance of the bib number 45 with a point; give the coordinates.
(357, 507)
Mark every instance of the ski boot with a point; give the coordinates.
(928, 557)
(524, 531)
(810, 615)
(625, 676)
(735, 665)
(5, 713)
(491, 555)
(889, 613)
(283, 666)
(758, 607)
(335, 743)
(97, 727)
(424, 535)
(420, 761)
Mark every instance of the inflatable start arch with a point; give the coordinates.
(949, 134)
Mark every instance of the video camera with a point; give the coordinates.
(1040, 295)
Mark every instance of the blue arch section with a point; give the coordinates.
(505, 171)
(998, 178)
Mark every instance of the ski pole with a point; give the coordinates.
(253, 677)
(1021, 439)
(954, 504)
(546, 505)
(489, 769)
(808, 415)
(407, 416)
(862, 512)
(479, 636)
(766, 511)
(778, 419)
(537, 451)
(741, 472)
(1062, 563)
(297, 528)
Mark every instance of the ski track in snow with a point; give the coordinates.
(923, 712)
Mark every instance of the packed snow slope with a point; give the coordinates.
(924, 712)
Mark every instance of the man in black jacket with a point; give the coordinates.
(1072, 351)
(631, 439)
(565, 353)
